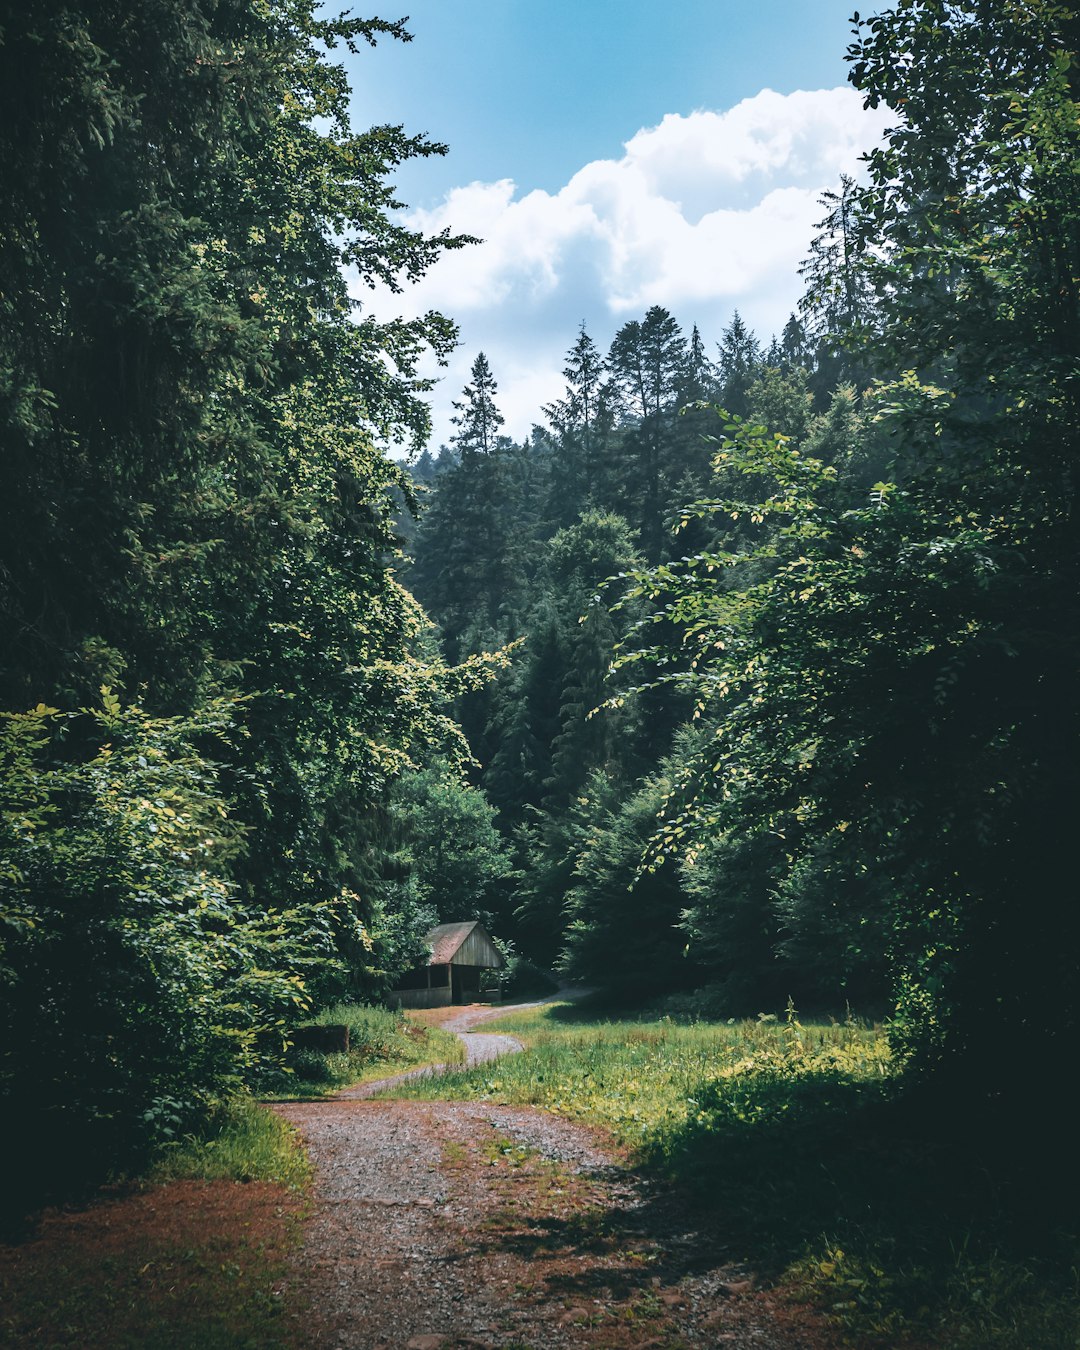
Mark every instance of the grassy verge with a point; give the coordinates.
(173, 1268)
(191, 1256)
(245, 1142)
(824, 1174)
(381, 1043)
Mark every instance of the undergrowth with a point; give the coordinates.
(828, 1173)
(381, 1043)
(243, 1142)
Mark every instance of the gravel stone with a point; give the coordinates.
(411, 1245)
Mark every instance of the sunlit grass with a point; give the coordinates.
(382, 1043)
(245, 1142)
(641, 1080)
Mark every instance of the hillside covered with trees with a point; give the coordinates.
(747, 680)
(809, 601)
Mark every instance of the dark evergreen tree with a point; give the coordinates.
(739, 360)
(462, 553)
(424, 469)
(579, 560)
(648, 365)
(839, 307)
(794, 347)
(689, 449)
(477, 418)
(611, 903)
(445, 459)
(581, 424)
(700, 381)
(525, 718)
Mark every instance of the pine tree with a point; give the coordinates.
(581, 423)
(687, 469)
(648, 362)
(478, 419)
(700, 379)
(794, 347)
(839, 307)
(740, 357)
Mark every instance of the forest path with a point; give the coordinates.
(480, 1047)
(455, 1225)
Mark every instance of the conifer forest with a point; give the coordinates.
(747, 681)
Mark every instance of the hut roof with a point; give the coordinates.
(447, 939)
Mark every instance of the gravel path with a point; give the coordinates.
(480, 1048)
(386, 1253)
(468, 1226)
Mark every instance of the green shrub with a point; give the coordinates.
(524, 979)
(242, 1141)
(374, 1033)
(382, 1042)
(138, 988)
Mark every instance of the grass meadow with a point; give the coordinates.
(641, 1080)
(795, 1138)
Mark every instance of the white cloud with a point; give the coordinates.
(802, 136)
(704, 214)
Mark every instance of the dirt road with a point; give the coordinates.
(446, 1225)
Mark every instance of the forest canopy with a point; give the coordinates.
(211, 677)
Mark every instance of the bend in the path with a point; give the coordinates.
(474, 1226)
(480, 1047)
(476, 1013)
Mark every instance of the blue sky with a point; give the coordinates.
(534, 89)
(612, 155)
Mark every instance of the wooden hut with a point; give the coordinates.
(460, 953)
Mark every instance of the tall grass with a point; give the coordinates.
(382, 1043)
(642, 1080)
(245, 1142)
(707, 1103)
(824, 1173)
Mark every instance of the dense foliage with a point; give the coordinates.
(196, 549)
(866, 617)
(890, 697)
